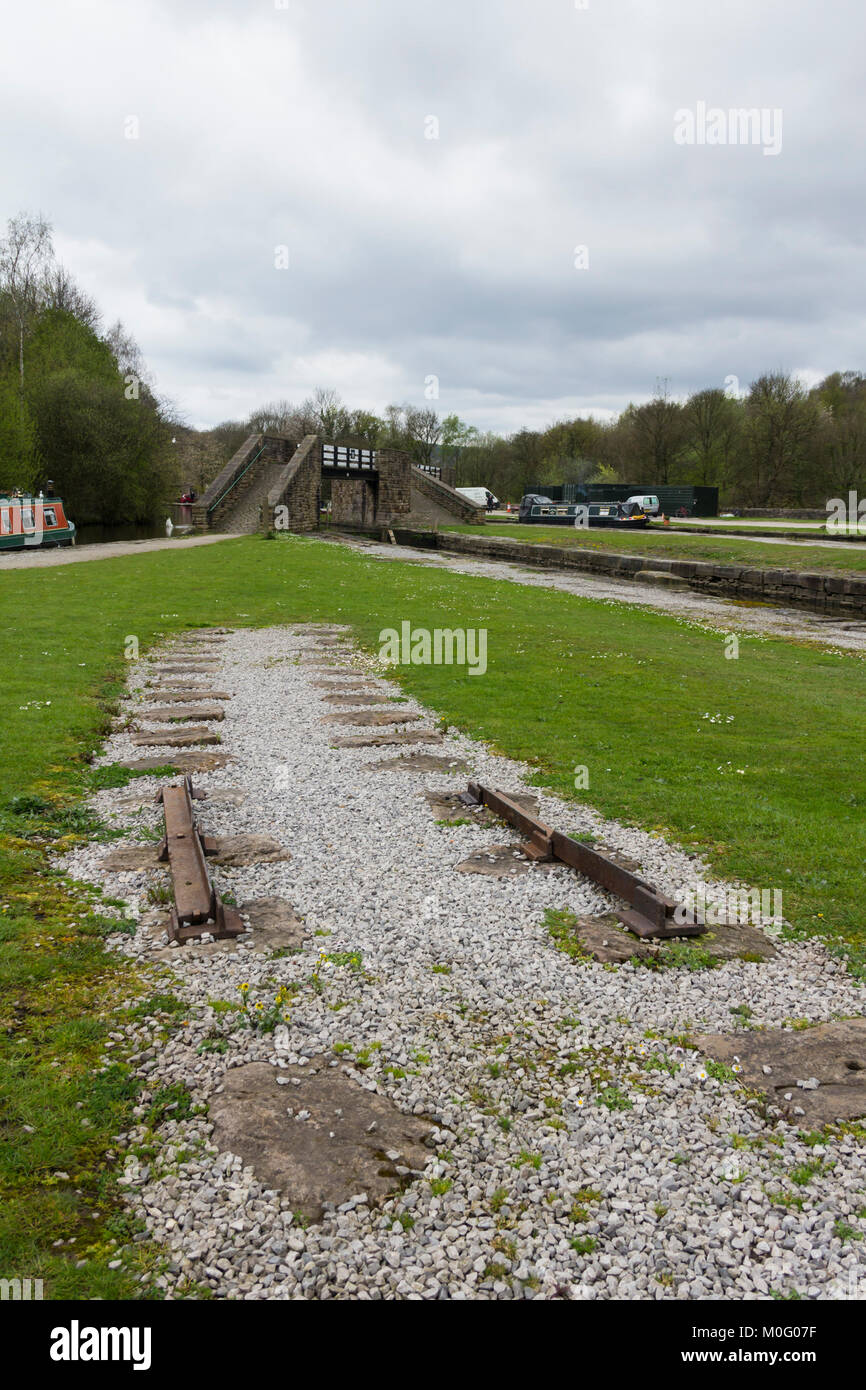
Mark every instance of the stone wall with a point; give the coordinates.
(395, 469)
(297, 490)
(353, 501)
(784, 513)
(828, 592)
(435, 500)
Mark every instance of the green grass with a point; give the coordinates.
(673, 545)
(60, 995)
(570, 682)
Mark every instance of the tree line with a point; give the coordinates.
(777, 444)
(76, 403)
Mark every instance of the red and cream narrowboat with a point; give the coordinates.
(32, 522)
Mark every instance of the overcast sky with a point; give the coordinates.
(264, 125)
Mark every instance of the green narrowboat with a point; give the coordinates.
(34, 522)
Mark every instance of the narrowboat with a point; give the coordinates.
(541, 511)
(33, 522)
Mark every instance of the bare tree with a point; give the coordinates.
(423, 431)
(26, 252)
(59, 291)
(126, 351)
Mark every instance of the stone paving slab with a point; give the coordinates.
(232, 851)
(175, 738)
(420, 762)
(275, 924)
(381, 740)
(180, 713)
(333, 668)
(239, 851)
(186, 696)
(372, 717)
(128, 859)
(344, 685)
(336, 1144)
(448, 806)
(606, 940)
(359, 699)
(189, 669)
(501, 861)
(776, 1061)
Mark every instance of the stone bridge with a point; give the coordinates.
(275, 483)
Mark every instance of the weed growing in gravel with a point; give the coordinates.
(265, 1018)
(439, 1186)
(803, 1174)
(720, 1072)
(614, 1099)
(172, 1102)
(525, 1159)
(561, 924)
(844, 1232)
(584, 1245)
(678, 955)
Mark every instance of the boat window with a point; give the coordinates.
(50, 516)
(28, 520)
(5, 522)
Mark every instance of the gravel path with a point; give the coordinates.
(74, 554)
(578, 1149)
(725, 614)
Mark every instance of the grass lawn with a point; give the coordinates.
(758, 762)
(658, 540)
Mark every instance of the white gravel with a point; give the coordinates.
(510, 1053)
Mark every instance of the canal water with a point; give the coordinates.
(96, 534)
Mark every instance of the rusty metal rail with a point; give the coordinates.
(198, 908)
(650, 914)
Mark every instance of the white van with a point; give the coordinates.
(479, 496)
(647, 501)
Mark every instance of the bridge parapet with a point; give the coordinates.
(435, 500)
(297, 489)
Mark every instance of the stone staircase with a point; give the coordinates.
(241, 511)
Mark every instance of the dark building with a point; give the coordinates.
(696, 501)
